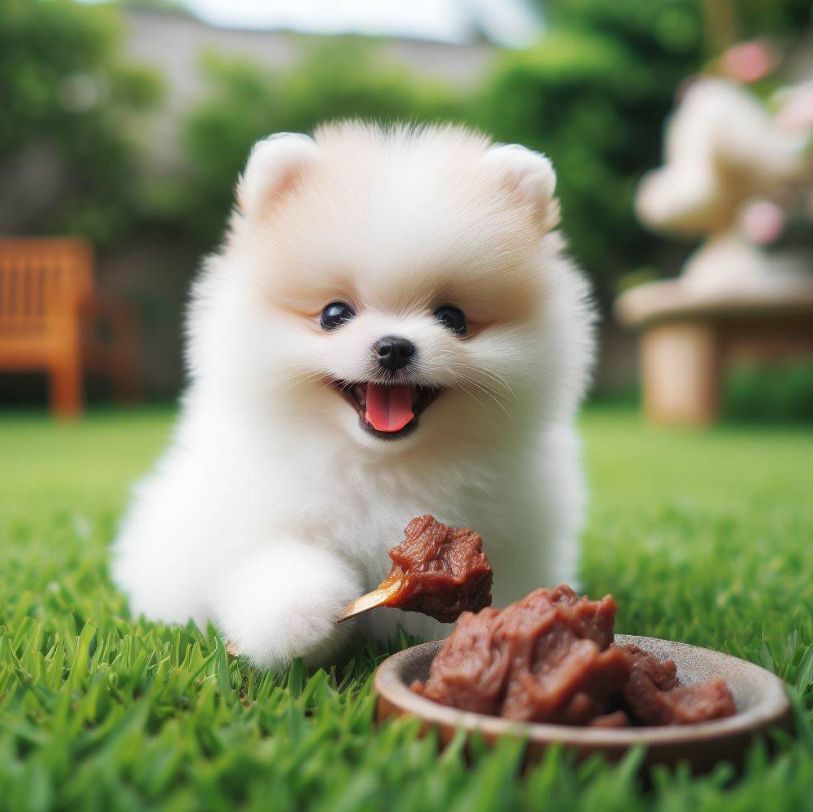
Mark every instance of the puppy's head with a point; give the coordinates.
(402, 287)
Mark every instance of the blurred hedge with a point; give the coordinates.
(68, 101)
(755, 392)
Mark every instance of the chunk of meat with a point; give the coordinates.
(663, 673)
(684, 705)
(442, 571)
(550, 657)
(546, 658)
(471, 669)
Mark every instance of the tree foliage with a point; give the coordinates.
(68, 101)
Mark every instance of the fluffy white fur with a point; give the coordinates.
(272, 507)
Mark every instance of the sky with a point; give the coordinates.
(507, 22)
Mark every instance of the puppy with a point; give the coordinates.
(390, 328)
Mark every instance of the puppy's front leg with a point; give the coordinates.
(281, 601)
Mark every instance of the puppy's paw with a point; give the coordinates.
(282, 602)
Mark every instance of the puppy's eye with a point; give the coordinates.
(452, 318)
(335, 315)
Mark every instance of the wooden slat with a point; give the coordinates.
(43, 282)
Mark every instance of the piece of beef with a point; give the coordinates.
(545, 658)
(654, 695)
(441, 571)
(550, 657)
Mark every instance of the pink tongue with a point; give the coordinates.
(389, 408)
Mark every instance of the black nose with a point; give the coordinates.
(393, 352)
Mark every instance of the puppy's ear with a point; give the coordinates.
(274, 166)
(530, 176)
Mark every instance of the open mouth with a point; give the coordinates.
(388, 411)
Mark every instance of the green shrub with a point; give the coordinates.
(756, 392)
(66, 94)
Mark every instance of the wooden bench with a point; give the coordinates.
(49, 319)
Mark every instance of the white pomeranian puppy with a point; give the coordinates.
(391, 328)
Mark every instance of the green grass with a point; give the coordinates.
(705, 537)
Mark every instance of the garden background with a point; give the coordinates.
(127, 123)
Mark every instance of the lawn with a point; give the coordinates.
(705, 537)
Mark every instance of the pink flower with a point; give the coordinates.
(749, 61)
(762, 221)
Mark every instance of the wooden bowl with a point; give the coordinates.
(761, 699)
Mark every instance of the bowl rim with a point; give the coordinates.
(772, 708)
